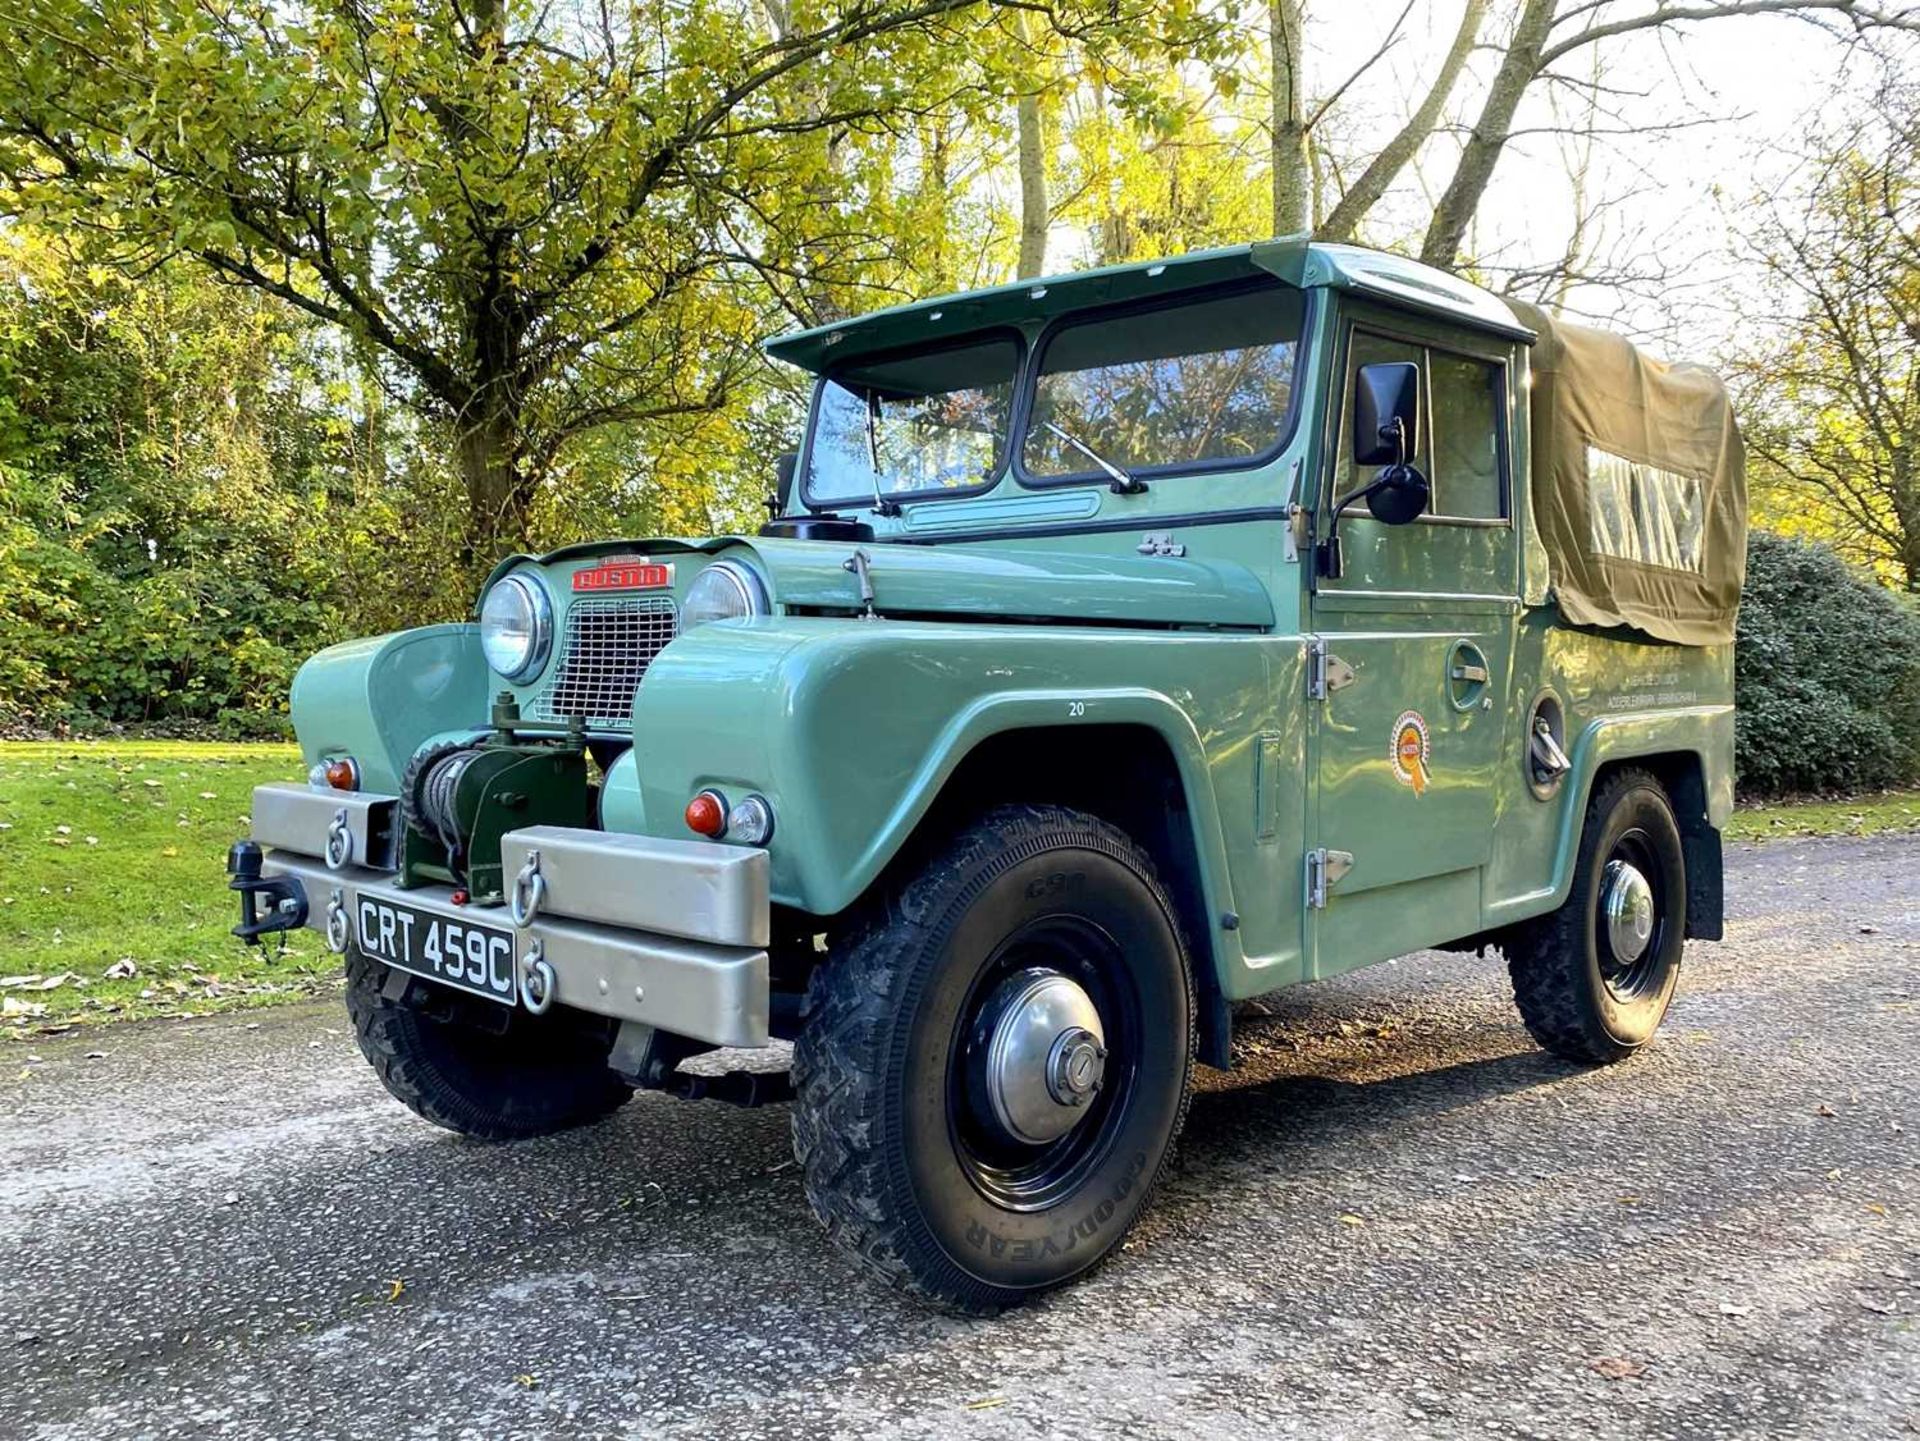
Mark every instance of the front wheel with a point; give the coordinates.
(529, 1076)
(995, 1065)
(1593, 979)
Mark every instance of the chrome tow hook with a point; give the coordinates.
(337, 927)
(529, 890)
(537, 980)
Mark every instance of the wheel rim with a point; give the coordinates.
(1631, 918)
(1043, 1062)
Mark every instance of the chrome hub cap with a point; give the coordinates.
(1046, 1056)
(1626, 909)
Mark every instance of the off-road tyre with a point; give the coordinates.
(536, 1077)
(1557, 961)
(886, 1031)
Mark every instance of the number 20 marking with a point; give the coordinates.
(1076, 708)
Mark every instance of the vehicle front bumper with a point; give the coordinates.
(670, 934)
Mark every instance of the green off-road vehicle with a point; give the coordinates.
(1122, 646)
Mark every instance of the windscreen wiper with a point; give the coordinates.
(1119, 481)
(881, 505)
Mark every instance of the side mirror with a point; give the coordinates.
(1386, 432)
(1386, 413)
(1399, 495)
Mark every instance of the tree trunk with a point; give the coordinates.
(499, 494)
(1034, 217)
(1292, 164)
(1394, 156)
(1906, 509)
(1463, 194)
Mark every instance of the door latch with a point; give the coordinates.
(1160, 542)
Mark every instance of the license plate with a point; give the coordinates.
(473, 958)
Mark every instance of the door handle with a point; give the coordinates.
(1468, 677)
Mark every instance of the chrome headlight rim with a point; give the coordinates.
(747, 588)
(540, 609)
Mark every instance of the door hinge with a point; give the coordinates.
(1325, 870)
(1326, 672)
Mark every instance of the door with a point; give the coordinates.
(1417, 636)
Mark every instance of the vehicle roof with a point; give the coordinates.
(1293, 259)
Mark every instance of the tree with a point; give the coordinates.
(535, 217)
(1393, 157)
(1548, 31)
(1292, 158)
(1832, 398)
(1031, 137)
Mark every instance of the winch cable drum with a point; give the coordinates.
(437, 787)
(427, 793)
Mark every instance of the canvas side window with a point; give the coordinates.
(1466, 437)
(1644, 514)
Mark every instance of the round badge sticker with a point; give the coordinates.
(1410, 751)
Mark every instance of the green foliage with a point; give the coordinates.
(1827, 672)
(1830, 387)
(542, 219)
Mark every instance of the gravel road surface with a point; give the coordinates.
(1398, 1219)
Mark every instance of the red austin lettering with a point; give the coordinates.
(623, 575)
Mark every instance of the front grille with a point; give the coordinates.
(609, 645)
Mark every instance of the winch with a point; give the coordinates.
(459, 797)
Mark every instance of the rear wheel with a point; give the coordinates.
(1593, 979)
(994, 1066)
(535, 1076)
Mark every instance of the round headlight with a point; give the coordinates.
(516, 628)
(725, 590)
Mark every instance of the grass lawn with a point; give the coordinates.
(113, 854)
(1855, 816)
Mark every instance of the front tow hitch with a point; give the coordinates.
(285, 897)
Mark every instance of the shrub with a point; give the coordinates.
(1827, 675)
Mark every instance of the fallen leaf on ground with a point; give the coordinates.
(1728, 1308)
(1618, 1368)
(7, 983)
(121, 970)
(986, 1403)
(1876, 1208)
(1349, 1219)
(395, 1289)
(1823, 1109)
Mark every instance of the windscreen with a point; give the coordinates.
(1206, 382)
(914, 424)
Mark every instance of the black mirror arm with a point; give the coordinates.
(1327, 552)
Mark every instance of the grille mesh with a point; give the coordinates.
(609, 645)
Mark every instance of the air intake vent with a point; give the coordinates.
(609, 645)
